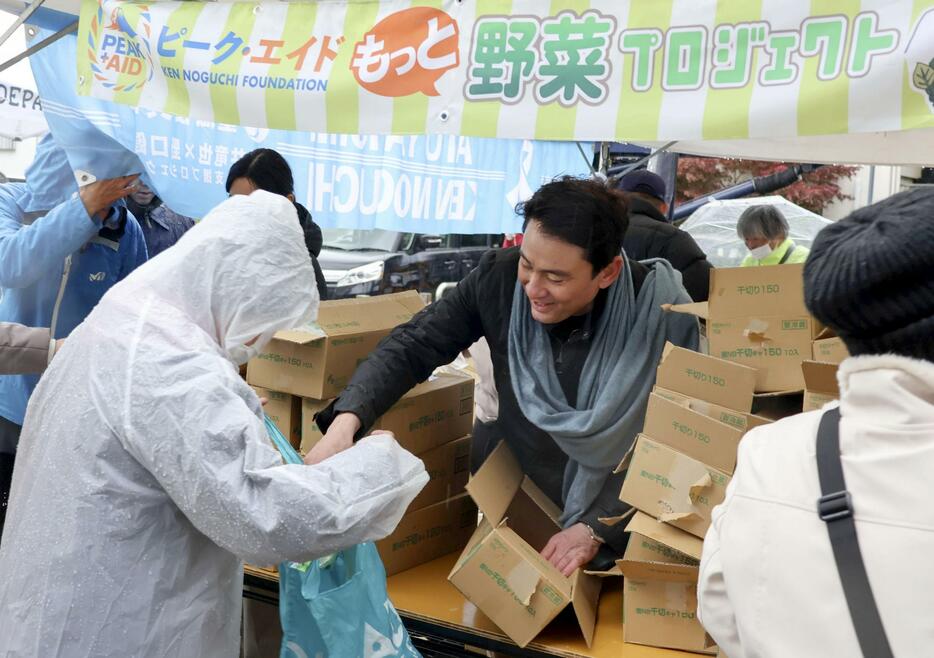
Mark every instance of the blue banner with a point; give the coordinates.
(417, 183)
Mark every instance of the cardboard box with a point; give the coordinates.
(776, 406)
(310, 432)
(692, 433)
(736, 292)
(502, 572)
(707, 378)
(756, 316)
(661, 567)
(285, 411)
(429, 533)
(829, 350)
(433, 413)
(448, 469)
(660, 542)
(738, 419)
(774, 345)
(318, 360)
(671, 486)
(820, 384)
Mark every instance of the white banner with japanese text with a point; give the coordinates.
(560, 70)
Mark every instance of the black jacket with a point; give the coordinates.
(479, 306)
(650, 236)
(314, 240)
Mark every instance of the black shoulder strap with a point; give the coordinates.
(788, 254)
(835, 508)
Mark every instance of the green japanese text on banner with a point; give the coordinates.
(568, 69)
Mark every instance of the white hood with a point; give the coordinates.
(271, 288)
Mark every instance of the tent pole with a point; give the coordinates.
(604, 157)
(32, 50)
(22, 18)
(584, 155)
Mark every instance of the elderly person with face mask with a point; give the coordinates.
(145, 474)
(765, 231)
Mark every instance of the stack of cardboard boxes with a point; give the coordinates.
(756, 316)
(302, 370)
(765, 350)
(676, 473)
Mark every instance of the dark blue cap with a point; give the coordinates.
(644, 182)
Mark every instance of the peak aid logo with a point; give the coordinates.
(119, 54)
(407, 52)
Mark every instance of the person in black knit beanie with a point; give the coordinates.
(870, 277)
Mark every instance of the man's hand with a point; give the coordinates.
(571, 549)
(338, 438)
(99, 196)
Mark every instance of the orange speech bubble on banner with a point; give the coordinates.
(407, 52)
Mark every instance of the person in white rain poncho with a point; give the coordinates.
(144, 474)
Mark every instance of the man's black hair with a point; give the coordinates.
(266, 169)
(581, 212)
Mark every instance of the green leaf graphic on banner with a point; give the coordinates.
(924, 79)
(924, 75)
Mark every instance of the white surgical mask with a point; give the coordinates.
(761, 252)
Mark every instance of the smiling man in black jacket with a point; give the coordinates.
(575, 333)
(651, 236)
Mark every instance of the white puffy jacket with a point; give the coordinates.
(768, 582)
(144, 474)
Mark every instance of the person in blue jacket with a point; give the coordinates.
(61, 249)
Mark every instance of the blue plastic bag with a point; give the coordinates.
(337, 606)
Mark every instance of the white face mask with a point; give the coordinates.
(761, 252)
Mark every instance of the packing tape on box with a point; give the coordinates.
(756, 330)
(704, 483)
(670, 517)
(523, 579)
(614, 520)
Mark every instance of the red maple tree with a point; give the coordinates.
(815, 191)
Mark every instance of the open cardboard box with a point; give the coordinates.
(778, 405)
(430, 414)
(820, 382)
(756, 316)
(502, 571)
(318, 360)
(692, 433)
(671, 486)
(661, 568)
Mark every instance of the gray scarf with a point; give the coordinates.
(616, 380)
